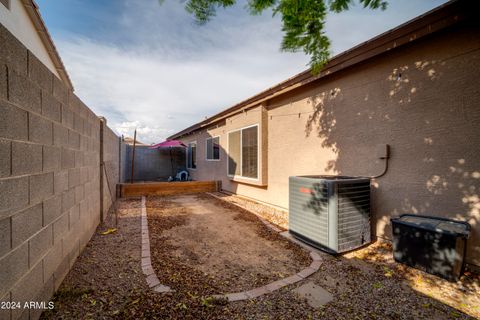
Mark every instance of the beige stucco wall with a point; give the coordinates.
(429, 116)
(17, 21)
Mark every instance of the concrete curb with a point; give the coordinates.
(276, 285)
(150, 276)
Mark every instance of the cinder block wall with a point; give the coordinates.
(49, 177)
(110, 174)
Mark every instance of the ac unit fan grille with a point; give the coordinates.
(353, 215)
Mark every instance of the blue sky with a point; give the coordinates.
(149, 66)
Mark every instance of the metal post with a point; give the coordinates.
(112, 198)
(133, 155)
(119, 160)
(102, 164)
(171, 163)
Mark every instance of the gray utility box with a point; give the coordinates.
(331, 213)
(432, 244)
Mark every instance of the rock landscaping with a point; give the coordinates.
(201, 262)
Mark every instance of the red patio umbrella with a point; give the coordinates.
(169, 144)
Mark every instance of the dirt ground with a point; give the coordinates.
(229, 245)
(107, 282)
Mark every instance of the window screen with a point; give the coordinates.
(250, 152)
(192, 155)
(234, 153)
(213, 148)
(216, 148)
(243, 153)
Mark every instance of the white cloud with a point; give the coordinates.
(165, 87)
(126, 128)
(159, 72)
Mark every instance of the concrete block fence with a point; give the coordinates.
(110, 168)
(51, 198)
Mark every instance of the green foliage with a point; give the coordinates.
(204, 10)
(302, 21)
(207, 302)
(342, 5)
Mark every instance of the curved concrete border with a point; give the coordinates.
(260, 291)
(153, 282)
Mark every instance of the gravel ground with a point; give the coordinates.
(276, 216)
(463, 295)
(107, 276)
(106, 282)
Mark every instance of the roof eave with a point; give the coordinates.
(35, 16)
(432, 21)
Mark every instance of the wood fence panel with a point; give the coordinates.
(167, 188)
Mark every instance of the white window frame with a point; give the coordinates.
(241, 154)
(206, 149)
(188, 153)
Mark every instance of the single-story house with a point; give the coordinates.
(415, 87)
(22, 18)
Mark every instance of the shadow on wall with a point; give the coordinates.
(423, 102)
(427, 110)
